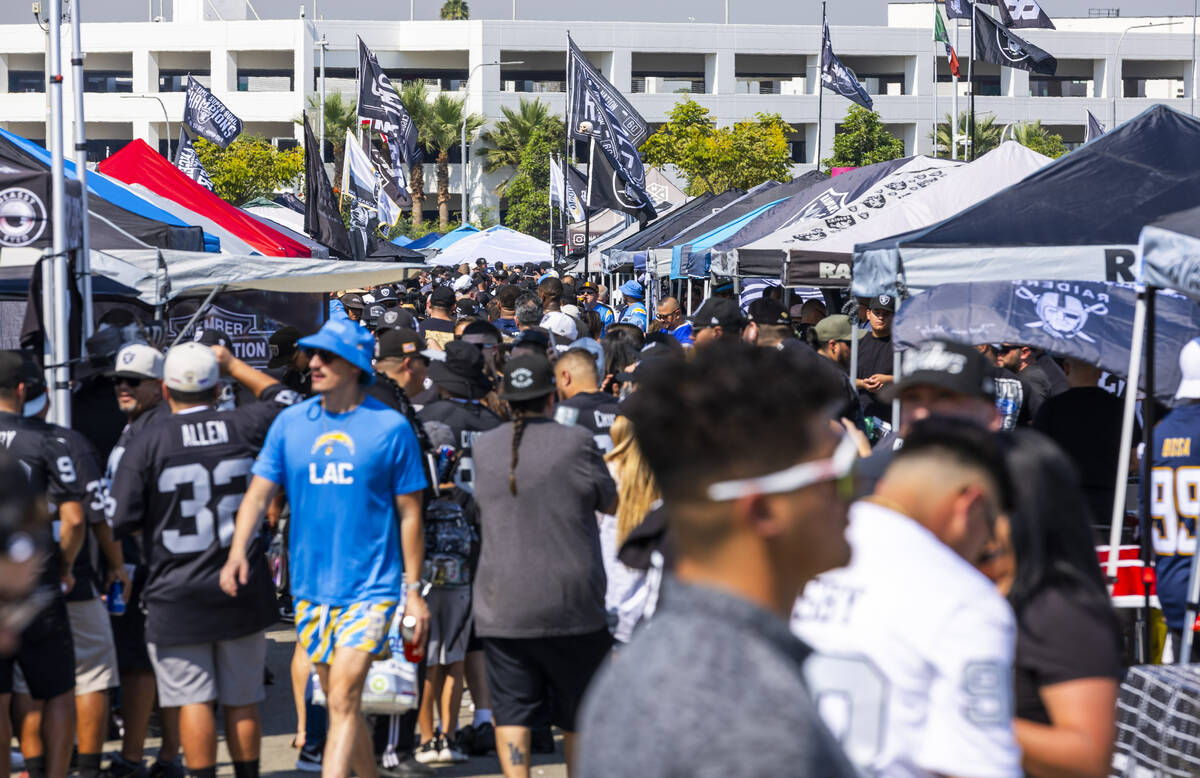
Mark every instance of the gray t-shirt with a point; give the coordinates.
(712, 686)
(540, 573)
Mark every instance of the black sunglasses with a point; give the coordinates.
(328, 357)
(133, 383)
(1005, 348)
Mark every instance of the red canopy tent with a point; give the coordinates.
(137, 163)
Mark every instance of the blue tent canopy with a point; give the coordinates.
(425, 241)
(402, 240)
(101, 186)
(692, 259)
(453, 236)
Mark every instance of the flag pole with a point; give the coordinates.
(970, 155)
(587, 216)
(550, 202)
(954, 103)
(820, 89)
(935, 86)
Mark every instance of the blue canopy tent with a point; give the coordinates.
(452, 237)
(106, 189)
(691, 260)
(425, 241)
(402, 241)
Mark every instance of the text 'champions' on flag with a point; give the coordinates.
(208, 117)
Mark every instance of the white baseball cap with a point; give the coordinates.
(137, 360)
(463, 283)
(1189, 371)
(562, 325)
(191, 367)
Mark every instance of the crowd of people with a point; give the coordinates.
(691, 543)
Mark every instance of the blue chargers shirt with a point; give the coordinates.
(635, 313)
(341, 473)
(683, 333)
(607, 315)
(1174, 506)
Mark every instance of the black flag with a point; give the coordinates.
(322, 218)
(1094, 128)
(836, 77)
(1000, 46)
(378, 101)
(188, 163)
(619, 155)
(584, 83)
(208, 117)
(958, 9)
(391, 176)
(1023, 13)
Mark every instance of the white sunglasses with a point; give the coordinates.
(836, 467)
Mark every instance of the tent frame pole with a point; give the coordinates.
(1148, 422)
(58, 376)
(83, 258)
(854, 335)
(1121, 487)
(896, 368)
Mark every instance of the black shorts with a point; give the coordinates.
(46, 655)
(522, 672)
(129, 629)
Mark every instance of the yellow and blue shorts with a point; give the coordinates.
(361, 625)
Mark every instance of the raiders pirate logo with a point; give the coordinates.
(1062, 315)
(1010, 47)
(875, 201)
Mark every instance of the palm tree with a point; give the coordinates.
(508, 136)
(339, 116)
(415, 101)
(986, 137)
(444, 125)
(1033, 135)
(456, 9)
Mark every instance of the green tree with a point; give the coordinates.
(862, 140)
(339, 115)
(1034, 136)
(714, 159)
(528, 194)
(443, 128)
(416, 101)
(250, 167)
(456, 9)
(507, 138)
(986, 138)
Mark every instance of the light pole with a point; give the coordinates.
(466, 199)
(161, 105)
(1118, 63)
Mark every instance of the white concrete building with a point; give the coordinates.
(266, 71)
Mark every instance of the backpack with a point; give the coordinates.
(449, 538)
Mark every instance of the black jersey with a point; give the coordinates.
(180, 482)
(86, 570)
(594, 411)
(44, 453)
(467, 420)
(130, 547)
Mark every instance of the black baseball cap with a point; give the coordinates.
(393, 318)
(443, 297)
(718, 312)
(942, 363)
(461, 372)
(527, 376)
(283, 345)
(767, 310)
(467, 307)
(373, 313)
(352, 300)
(883, 302)
(399, 342)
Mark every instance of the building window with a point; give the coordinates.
(26, 81)
(108, 81)
(883, 85)
(176, 80)
(264, 80)
(1051, 86)
(799, 151)
(100, 149)
(669, 83)
(1154, 88)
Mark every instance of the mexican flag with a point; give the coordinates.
(939, 34)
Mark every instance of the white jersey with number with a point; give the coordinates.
(913, 669)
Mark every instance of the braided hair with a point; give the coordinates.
(521, 411)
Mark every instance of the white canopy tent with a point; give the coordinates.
(495, 244)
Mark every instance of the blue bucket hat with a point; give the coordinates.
(349, 341)
(633, 289)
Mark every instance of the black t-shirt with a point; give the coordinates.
(594, 411)
(1062, 636)
(438, 331)
(466, 420)
(875, 356)
(1042, 382)
(46, 456)
(1085, 422)
(180, 482)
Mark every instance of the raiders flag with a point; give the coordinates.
(576, 187)
(208, 117)
(1000, 46)
(838, 78)
(189, 163)
(378, 101)
(1023, 13)
(958, 9)
(619, 155)
(584, 83)
(322, 217)
(392, 177)
(1094, 128)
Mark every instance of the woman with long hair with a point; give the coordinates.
(1067, 666)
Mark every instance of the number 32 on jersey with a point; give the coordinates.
(1174, 508)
